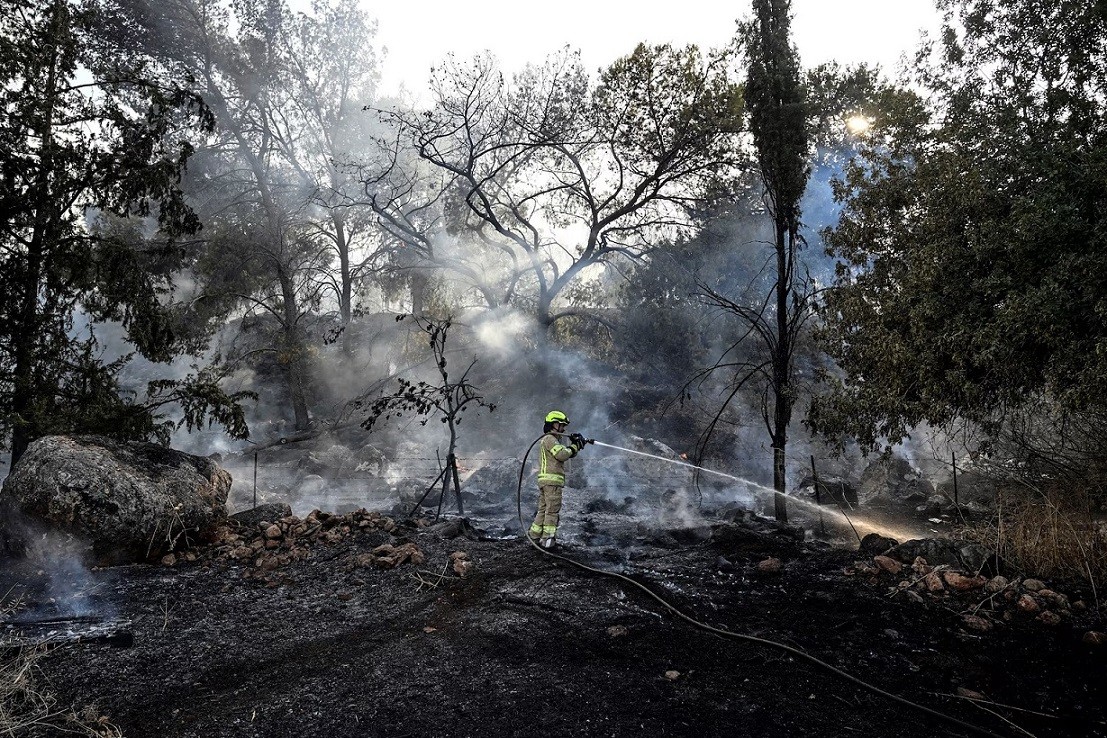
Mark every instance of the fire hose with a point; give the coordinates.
(723, 633)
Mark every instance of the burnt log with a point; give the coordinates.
(128, 502)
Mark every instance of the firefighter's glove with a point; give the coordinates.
(577, 440)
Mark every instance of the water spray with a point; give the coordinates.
(840, 514)
(674, 461)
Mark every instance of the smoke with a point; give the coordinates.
(502, 332)
(69, 586)
(46, 571)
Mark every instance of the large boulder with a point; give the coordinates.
(964, 555)
(130, 502)
(893, 482)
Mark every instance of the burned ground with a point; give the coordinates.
(345, 642)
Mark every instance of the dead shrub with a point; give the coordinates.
(1049, 533)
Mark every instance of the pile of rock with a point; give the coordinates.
(983, 602)
(265, 545)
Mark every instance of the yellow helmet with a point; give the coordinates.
(556, 416)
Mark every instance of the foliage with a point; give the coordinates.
(89, 128)
(837, 97)
(777, 106)
(202, 400)
(286, 241)
(553, 174)
(447, 399)
(973, 232)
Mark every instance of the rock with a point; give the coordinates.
(974, 488)
(912, 596)
(833, 491)
(888, 564)
(461, 563)
(130, 502)
(771, 565)
(311, 486)
(448, 529)
(617, 631)
(267, 511)
(977, 623)
(387, 556)
(935, 505)
(1028, 604)
(369, 461)
(410, 492)
(962, 555)
(962, 583)
(273, 532)
(1055, 600)
(920, 567)
(971, 694)
(495, 484)
(893, 482)
(1094, 638)
(996, 584)
(934, 582)
(874, 544)
(1033, 585)
(672, 675)
(1048, 617)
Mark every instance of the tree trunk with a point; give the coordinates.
(293, 350)
(782, 406)
(342, 243)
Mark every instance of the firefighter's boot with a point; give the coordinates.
(547, 542)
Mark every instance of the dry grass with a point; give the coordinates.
(27, 706)
(1048, 533)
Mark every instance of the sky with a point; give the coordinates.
(418, 34)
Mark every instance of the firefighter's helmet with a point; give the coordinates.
(556, 416)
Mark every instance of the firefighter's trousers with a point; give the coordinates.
(549, 512)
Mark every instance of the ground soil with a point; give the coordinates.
(526, 644)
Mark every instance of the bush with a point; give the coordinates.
(1049, 533)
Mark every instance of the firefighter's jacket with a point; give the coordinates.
(551, 461)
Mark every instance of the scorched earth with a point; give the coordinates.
(357, 625)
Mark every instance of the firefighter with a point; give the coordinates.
(552, 455)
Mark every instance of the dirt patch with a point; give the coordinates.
(331, 642)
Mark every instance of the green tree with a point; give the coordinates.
(776, 101)
(972, 240)
(89, 131)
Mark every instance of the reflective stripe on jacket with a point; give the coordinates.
(551, 460)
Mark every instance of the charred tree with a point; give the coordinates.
(776, 102)
(447, 399)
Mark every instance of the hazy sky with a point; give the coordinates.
(417, 34)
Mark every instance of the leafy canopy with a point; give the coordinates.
(972, 239)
